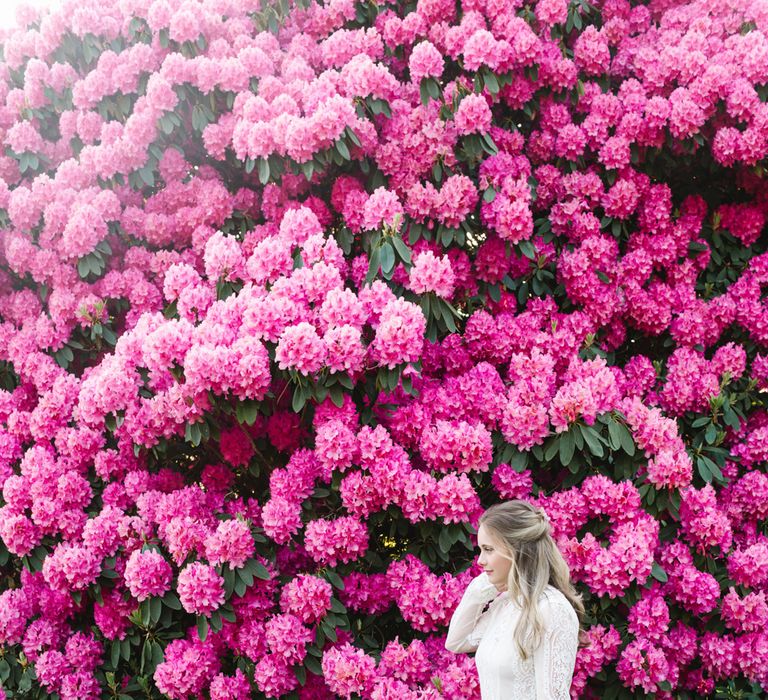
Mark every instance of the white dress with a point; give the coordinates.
(503, 673)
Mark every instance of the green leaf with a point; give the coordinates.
(193, 433)
(444, 541)
(301, 674)
(527, 249)
(341, 147)
(403, 251)
(345, 381)
(519, 461)
(627, 441)
(658, 573)
(730, 417)
(157, 655)
(263, 171)
(202, 628)
(114, 656)
(447, 314)
(387, 259)
(424, 91)
(592, 440)
(146, 656)
(337, 395)
(334, 579)
(257, 569)
(613, 434)
(491, 82)
(156, 609)
(146, 613)
(713, 468)
(147, 175)
(330, 631)
(489, 195)
(299, 399)
(215, 621)
(490, 145)
(172, 601)
(353, 137)
(374, 264)
(703, 468)
(552, 447)
(313, 665)
(337, 606)
(247, 411)
(108, 336)
(566, 448)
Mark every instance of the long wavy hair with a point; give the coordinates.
(525, 534)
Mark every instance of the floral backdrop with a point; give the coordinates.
(291, 290)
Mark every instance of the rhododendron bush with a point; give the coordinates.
(292, 290)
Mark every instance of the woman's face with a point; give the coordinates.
(492, 558)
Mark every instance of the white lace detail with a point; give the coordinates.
(557, 656)
(503, 673)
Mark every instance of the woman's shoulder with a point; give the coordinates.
(554, 605)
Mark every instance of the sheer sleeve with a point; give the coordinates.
(555, 658)
(465, 630)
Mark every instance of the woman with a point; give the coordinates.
(526, 639)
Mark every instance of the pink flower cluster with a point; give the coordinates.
(201, 382)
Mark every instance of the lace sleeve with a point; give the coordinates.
(465, 629)
(555, 658)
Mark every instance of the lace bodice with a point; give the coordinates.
(503, 673)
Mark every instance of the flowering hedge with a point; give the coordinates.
(292, 290)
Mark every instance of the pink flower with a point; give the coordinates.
(307, 597)
(425, 62)
(287, 638)
(346, 352)
(189, 666)
(281, 519)
(274, 677)
(473, 115)
(300, 348)
(382, 208)
(347, 670)
(331, 541)
(231, 543)
(200, 589)
(147, 574)
(234, 687)
(223, 258)
(643, 665)
(399, 334)
(431, 274)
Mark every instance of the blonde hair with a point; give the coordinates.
(524, 532)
